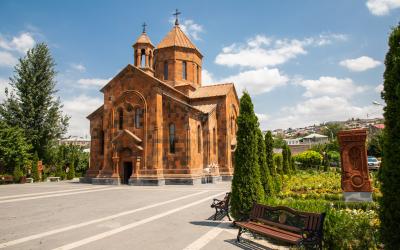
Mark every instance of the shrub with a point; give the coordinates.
(309, 159)
(246, 183)
(278, 161)
(35, 171)
(17, 174)
(354, 227)
(71, 172)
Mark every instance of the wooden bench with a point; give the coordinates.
(222, 206)
(29, 180)
(56, 179)
(7, 179)
(285, 224)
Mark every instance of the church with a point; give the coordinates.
(159, 125)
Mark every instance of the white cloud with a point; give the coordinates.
(7, 59)
(262, 117)
(379, 88)
(360, 64)
(261, 51)
(192, 29)
(78, 67)
(78, 108)
(330, 86)
(382, 7)
(21, 43)
(207, 77)
(92, 82)
(321, 109)
(258, 81)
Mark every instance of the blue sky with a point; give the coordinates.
(303, 62)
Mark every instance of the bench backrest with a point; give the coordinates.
(288, 218)
(227, 199)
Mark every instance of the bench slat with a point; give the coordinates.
(271, 232)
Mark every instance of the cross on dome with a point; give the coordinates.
(176, 16)
(144, 27)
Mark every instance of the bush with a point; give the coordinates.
(17, 174)
(71, 172)
(35, 171)
(278, 162)
(354, 227)
(309, 159)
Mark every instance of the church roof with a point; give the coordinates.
(144, 38)
(205, 108)
(177, 38)
(211, 90)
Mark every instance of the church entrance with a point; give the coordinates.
(127, 172)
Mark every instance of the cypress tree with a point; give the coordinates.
(390, 172)
(35, 171)
(269, 149)
(246, 183)
(285, 159)
(31, 104)
(266, 179)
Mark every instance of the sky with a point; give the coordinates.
(303, 62)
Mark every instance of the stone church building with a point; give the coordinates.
(159, 124)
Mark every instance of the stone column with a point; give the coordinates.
(187, 148)
(158, 130)
(147, 59)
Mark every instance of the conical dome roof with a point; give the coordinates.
(177, 38)
(144, 38)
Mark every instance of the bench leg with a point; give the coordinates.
(239, 233)
(227, 214)
(216, 213)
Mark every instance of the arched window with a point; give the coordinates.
(184, 70)
(165, 70)
(138, 113)
(198, 139)
(214, 141)
(101, 142)
(143, 58)
(120, 119)
(172, 138)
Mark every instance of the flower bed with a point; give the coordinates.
(348, 225)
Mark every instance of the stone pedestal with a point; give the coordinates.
(357, 196)
(356, 184)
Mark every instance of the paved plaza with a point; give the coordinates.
(69, 215)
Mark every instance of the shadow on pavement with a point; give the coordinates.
(248, 245)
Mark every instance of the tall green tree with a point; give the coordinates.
(31, 104)
(269, 149)
(390, 172)
(331, 130)
(246, 183)
(285, 159)
(14, 149)
(265, 174)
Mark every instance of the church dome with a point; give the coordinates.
(143, 39)
(177, 38)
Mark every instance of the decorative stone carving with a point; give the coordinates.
(355, 176)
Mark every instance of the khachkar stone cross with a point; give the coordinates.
(176, 14)
(356, 184)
